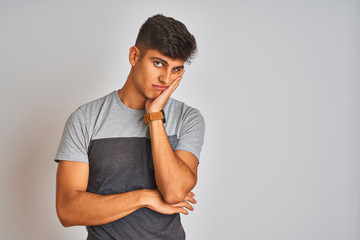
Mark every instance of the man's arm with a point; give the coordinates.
(75, 206)
(175, 172)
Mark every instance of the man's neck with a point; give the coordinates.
(130, 96)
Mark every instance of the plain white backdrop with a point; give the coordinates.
(277, 82)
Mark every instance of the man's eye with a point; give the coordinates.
(158, 64)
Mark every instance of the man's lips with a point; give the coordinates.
(160, 88)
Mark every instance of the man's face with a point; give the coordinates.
(155, 72)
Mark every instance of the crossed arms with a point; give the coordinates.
(175, 175)
(75, 206)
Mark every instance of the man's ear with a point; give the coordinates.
(134, 55)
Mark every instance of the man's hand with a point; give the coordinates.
(157, 104)
(157, 204)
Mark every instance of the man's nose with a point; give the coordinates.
(165, 77)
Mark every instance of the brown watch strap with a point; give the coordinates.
(153, 116)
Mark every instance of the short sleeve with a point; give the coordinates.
(75, 139)
(191, 133)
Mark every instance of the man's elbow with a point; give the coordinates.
(177, 192)
(65, 215)
(174, 197)
(65, 223)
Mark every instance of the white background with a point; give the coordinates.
(277, 83)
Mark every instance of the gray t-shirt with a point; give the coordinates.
(115, 141)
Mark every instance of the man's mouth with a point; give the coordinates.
(160, 88)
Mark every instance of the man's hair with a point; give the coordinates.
(167, 35)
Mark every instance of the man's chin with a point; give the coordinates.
(153, 96)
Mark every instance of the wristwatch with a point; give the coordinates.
(154, 116)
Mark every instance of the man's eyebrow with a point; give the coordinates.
(160, 60)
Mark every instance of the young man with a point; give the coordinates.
(128, 161)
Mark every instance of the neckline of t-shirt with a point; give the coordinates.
(126, 108)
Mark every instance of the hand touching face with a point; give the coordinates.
(156, 74)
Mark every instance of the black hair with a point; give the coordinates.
(167, 35)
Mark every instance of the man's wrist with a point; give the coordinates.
(153, 110)
(146, 196)
(155, 116)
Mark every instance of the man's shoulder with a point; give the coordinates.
(177, 107)
(96, 104)
(177, 104)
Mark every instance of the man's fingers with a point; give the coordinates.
(184, 204)
(190, 199)
(172, 86)
(177, 82)
(182, 72)
(183, 211)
